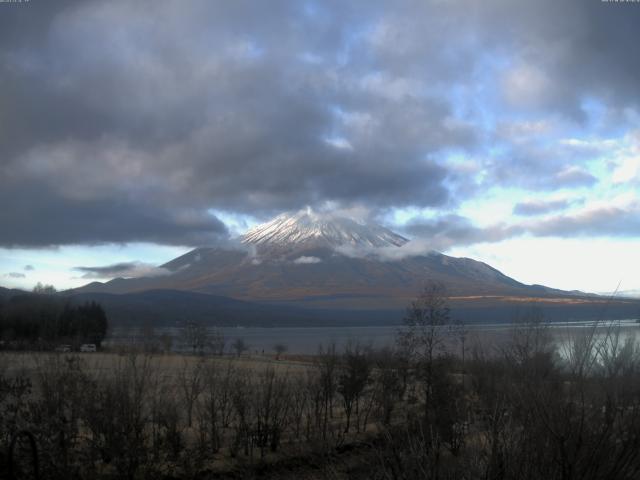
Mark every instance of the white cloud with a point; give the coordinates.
(627, 169)
(307, 260)
(412, 248)
(592, 265)
(340, 143)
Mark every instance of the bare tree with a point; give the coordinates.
(279, 348)
(166, 340)
(243, 421)
(191, 385)
(41, 289)
(240, 346)
(327, 366)
(217, 341)
(195, 336)
(117, 417)
(299, 403)
(391, 378)
(355, 374)
(271, 404)
(426, 332)
(530, 349)
(149, 340)
(216, 407)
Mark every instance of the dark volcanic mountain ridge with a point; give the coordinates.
(324, 262)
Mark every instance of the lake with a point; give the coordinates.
(306, 340)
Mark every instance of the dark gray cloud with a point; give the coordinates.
(574, 48)
(126, 121)
(618, 221)
(448, 231)
(46, 218)
(124, 270)
(29, 268)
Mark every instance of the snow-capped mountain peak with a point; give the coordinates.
(321, 229)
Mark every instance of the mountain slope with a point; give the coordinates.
(323, 261)
(321, 269)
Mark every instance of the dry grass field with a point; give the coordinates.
(530, 408)
(188, 413)
(170, 365)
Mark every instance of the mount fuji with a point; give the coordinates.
(317, 266)
(308, 228)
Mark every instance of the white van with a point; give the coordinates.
(88, 347)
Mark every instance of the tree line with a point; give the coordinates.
(45, 319)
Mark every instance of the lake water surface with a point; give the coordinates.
(306, 340)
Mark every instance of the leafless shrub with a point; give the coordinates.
(300, 405)
(279, 348)
(116, 416)
(58, 412)
(271, 405)
(391, 377)
(240, 346)
(216, 407)
(528, 411)
(217, 341)
(326, 364)
(353, 378)
(191, 384)
(195, 336)
(426, 335)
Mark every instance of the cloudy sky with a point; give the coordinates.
(506, 131)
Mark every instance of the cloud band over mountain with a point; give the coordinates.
(124, 270)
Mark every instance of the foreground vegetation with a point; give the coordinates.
(525, 410)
